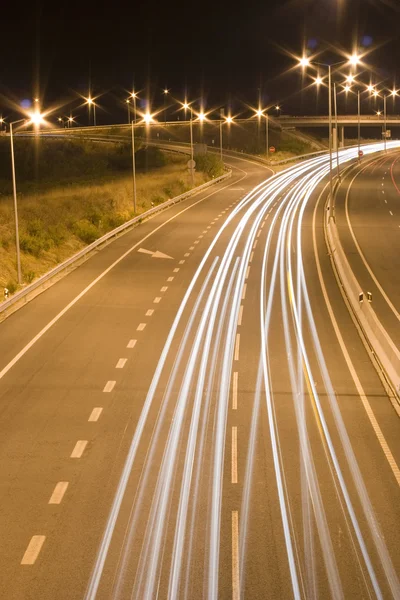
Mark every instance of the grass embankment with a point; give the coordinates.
(57, 218)
(288, 148)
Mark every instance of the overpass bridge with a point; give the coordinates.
(291, 122)
(349, 120)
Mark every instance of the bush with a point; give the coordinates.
(29, 276)
(86, 231)
(210, 164)
(114, 221)
(33, 245)
(12, 287)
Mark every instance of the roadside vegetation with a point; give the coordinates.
(72, 192)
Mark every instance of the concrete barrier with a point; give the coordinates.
(380, 342)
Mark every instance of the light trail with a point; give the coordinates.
(186, 452)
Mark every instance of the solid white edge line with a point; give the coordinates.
(33, 549)
(99, 277)
(235, 556)
(363, 397)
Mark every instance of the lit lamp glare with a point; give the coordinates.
(393, 93)
(304, 62)
(349, 78)
(317, 81)
(147, 118)
(202, 117)
(354, 60)
(370, 88)
(229, 119)
(347, 88)
(36, 119)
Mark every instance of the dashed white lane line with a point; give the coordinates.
(237, 345)
(212, 222)
(235, 556)
(181, 262)
(109, 386)
(258, 233)
(209, 227)
(176, 270)
(205, 231)
(244, 291)
(200, 236)
(385, 201)
(150, 311)
(240, 315)
(235, 390)
(251, 257)
(186, 254)
(255, 244)
(234, 455)
(58, 492)
(141, 326)
(196, 242)
(391, 212)
(131, 344)
(33, 550)
(191, 248)
(157, 300)
(79, 448)
(169, 280)
(164, 288)
(121, 363)
(95, 414)
(247, 272)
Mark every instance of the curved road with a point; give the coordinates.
(207, 425)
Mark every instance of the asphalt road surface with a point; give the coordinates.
(202, 425)
(368, 218)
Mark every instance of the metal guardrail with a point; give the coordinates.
(36, 285)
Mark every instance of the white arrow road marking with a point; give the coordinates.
(156, 254)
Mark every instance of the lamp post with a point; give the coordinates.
(222, 121)
(305, 62)
(133, 166)
(187, 106)
(128, 109)
(134, 96)
(165, 92)
(91, 102)
(384, 123)
(36, 119)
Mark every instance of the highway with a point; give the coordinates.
(369, 223)
(202, 424)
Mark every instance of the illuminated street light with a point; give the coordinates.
(347, 88)
(128, 109)
(134, 96)
(165, 92)
(318, 80)
(393, 93)
(36, 119)
(350, 78)
(90, 102)
(227, 120)
(201, 117)
(304, 62)
(375, 93)
(354, 60)
(370, 88)
(148, 118)
(378, 112)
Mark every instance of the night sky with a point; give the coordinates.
(217, 50)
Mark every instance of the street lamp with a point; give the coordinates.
(227, 120)
(134, 96)
(128, 108)
(165, 92)
(90, 102)
(263, 113)
(36, 119)
(186, 107)
(305, 62)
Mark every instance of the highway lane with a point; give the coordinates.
(252, 466)
(48, 396)
(369, 225)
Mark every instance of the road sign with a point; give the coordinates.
(272, 149)
(360, 153)
(191, 164)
